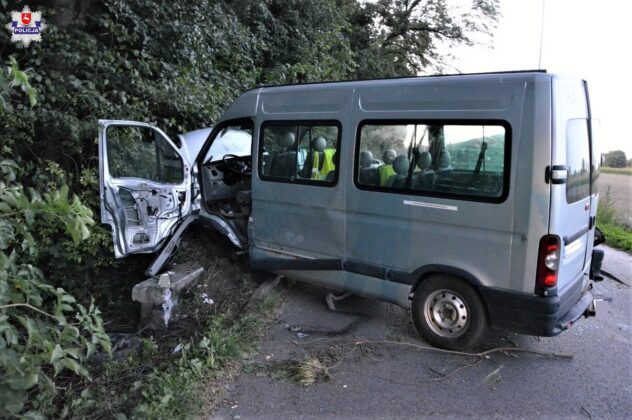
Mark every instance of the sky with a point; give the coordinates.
(585, 38)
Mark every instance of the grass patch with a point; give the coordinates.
(620, 171)
(617, 234)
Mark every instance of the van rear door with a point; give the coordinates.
(570, 217)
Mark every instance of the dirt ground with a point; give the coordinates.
(617, 188)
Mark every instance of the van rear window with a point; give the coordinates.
(577, 160)
(451, 160)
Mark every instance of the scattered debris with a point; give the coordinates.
(494, 375)
(207, 300)
(330, 299)
(479, 356)
(303, 332)
(158, 296)
(178, 348)
(307, 371)
(167, 304)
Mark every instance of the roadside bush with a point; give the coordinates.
(615, 159)
(43, 330)
(617, 234)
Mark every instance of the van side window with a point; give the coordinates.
(305, 153)
(577, 160)
(437, 159)
(141, 152)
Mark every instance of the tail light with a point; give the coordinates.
(548, 263)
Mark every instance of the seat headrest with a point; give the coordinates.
(400, 165)
(425, 161)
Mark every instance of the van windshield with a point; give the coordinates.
(231, 140)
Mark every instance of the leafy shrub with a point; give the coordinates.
(43, 330)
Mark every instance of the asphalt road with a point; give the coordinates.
(395, 381)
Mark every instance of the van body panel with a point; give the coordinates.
(387, 229)
(341, 280)
(308, 219)
(532, 155)
(443, 96)
(290, 102)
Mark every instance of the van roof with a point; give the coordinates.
(247, 103)
(430, 76)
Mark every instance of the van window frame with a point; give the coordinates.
(299, 181)
(437, 194)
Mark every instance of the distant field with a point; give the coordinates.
(616, 188)
(621, 171)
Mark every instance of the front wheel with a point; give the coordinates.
(449, 313)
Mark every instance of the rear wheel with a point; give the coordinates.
(448, 313)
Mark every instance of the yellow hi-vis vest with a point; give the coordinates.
(385, 172)
(328, 164)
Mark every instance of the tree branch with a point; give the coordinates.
(26, 305)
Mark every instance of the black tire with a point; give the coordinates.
(454, 317)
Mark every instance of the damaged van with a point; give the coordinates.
(470, 197)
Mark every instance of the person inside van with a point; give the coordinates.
(436, 144)
(424, 178)
(444, 171)
(331, 175)
(368, 175)
(386, 171)
(282, 162)
(320, 161)
(400, 166)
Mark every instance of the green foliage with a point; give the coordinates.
(401, 37)
(43, 330)
(615, 159)
(14, 77)
(173, 392)
(617, 235)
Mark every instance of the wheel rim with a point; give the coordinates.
(446, 313)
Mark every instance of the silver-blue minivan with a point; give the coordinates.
(470, 197)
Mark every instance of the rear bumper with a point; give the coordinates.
(536, 315)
